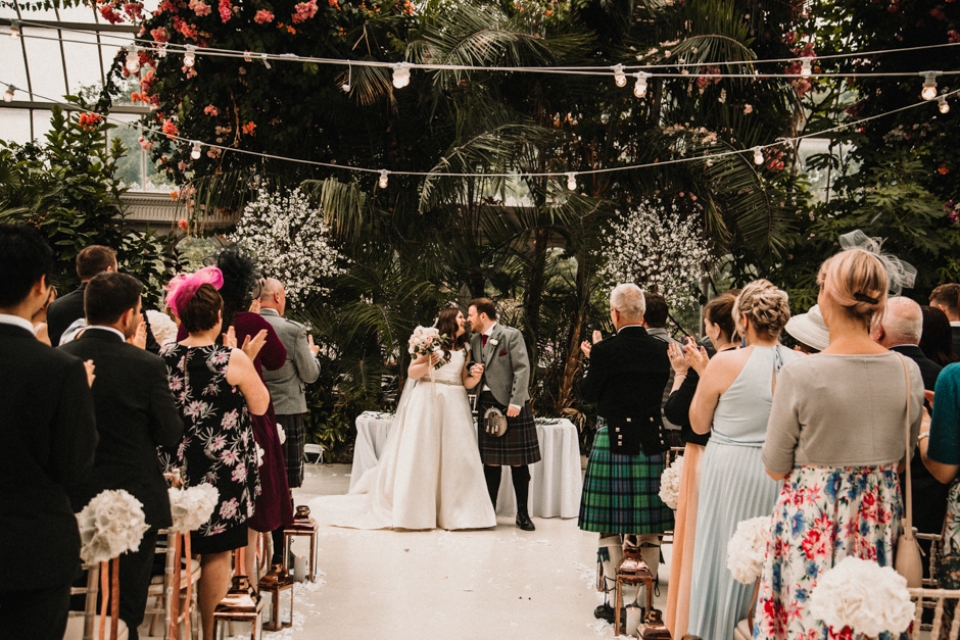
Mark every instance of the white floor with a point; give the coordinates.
(498, 584)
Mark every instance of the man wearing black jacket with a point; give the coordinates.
(48, 436)
(626, 377)
(63, 311)
(136, 413)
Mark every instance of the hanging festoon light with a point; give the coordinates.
(8, 94)
(190, 56)
(805, 67)
(345, 87)
(619, 76)
(133, 59)
(197, 150)
(401, 75)
(757, 155)
(943, 105)
(640, 89)
(929, 90)
(571, 181)
(382, 182)
(15, 29)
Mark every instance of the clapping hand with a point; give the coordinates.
(139, 339)
(677, 359)
(89, 366)
(314, 349)
(252, 347)
(255, 306)
(586, 346)
(696, 356)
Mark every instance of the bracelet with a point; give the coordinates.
(925, 434)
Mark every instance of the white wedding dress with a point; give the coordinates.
(429, 474)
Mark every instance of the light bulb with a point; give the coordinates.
(15, 29)
(346, 85)
(197, 149)
(571, 181)
(929, 91)
(401, 75)
(805, 69)
(190, 57)
(133, 59)
(640, 89)
(8, 95)
(383, 179)
(619, 76)
(757, 155)
(943, 105)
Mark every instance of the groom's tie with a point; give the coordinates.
(483, 340)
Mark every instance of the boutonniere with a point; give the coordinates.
(493, 341)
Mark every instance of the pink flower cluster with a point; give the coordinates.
(211, 110)
(263, 17)
(226, 10)
(200, 8)
(186, 29)
(160, 34)
(304, 11)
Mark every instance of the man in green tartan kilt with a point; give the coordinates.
(626, 377)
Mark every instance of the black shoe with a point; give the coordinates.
(524, 522)
(604, 612)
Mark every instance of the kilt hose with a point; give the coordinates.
(518, 446)
(293, 447)
(621, 493)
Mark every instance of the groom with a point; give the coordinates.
(500, 356)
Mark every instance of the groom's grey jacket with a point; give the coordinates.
(506, 365)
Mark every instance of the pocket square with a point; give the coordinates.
(503, 352)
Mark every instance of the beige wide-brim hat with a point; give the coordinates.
(809, 329)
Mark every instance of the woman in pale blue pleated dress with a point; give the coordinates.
(733, 400)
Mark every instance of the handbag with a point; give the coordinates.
(906, 559)
(494, 422)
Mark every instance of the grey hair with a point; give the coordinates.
(628, 299)
(903, 320)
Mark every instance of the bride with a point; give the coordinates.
(429, 474)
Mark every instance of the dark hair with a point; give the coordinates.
(239, 278)
(936, 341)
(484, 305)
(95, 259)
(447, 324)
(109, 295)
(719, 311)
(947, 295)
(201, 312)
(656, 312)
(25, 257)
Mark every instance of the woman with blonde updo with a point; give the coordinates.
(836, 437)
(732, 402)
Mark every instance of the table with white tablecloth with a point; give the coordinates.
(555, 481)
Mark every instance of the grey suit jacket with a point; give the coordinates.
(288, 383)
(507, 367)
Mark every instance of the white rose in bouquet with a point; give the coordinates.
(747, 548)
(110, 525)
(191, 508)
(670, 483)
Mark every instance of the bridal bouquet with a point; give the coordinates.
(427, 341)
(111, 524)
(191, 508)
(864, 596)
(670, 483)
(747, 548)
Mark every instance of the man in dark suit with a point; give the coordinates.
(136, 413)
(626, 377)
(946, 297)
(48, 435)
(66, 309)
(899, 330)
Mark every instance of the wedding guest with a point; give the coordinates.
(287, 385)
(809, 330)
(136, 413)
(218, 446)
(655, 322)
(63, 311)
(39, 319)
(836, 434)
(48, 435)
(946, 297)
(935, 341)
(732, 401)
(720, 328)
(625, 378)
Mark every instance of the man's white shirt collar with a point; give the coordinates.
(103, 328)
(955, 323)
(489, 331)
(17, 321)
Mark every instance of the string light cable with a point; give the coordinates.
(569, 175)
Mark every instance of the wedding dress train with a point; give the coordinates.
(429, 474)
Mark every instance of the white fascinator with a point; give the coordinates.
(900, 273)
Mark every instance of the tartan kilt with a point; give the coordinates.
(621, 493)
(294, 429)
(518, 446)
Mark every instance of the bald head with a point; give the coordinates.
(273, 295)
(901, 323)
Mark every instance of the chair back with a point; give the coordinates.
(946, 622)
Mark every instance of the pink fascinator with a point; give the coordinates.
(182, 288)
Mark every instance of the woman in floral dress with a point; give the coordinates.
(217, 389)
(836, 436)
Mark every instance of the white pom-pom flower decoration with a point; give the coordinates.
(864, 596)
(191, 508)
(110, 525)
(164, 329)
(747, 548)
(670, 483)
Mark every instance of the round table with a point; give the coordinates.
(555, 482)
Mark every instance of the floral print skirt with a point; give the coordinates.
(823, 515)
